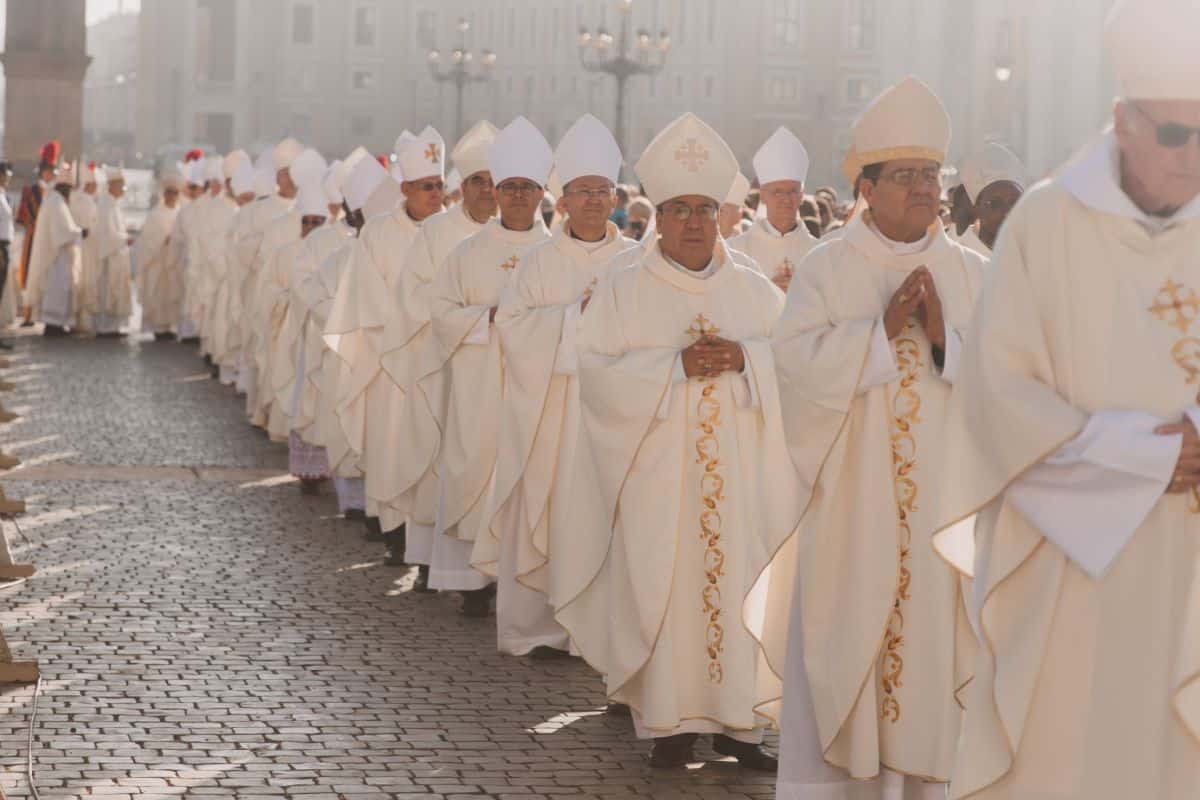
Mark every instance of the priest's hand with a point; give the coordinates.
(1187, 469)
(930, 314)
(905, 302)
(709, 356)
(492, 314)
(783, 280)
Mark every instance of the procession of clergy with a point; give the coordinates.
(933, 512)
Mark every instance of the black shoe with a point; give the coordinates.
(27, 323)
(395, 542)
(190, 340)
(5, 346)
(164, 336)
(208, 360)
(374, 531)
(750, 756)
(354, 514)
(615, 709)
(477, 603)
(672, 752)
(54, 331)
(545, 652)
(421, 582)
(310, 486)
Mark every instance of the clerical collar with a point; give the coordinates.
(591, 247)
(771, 229)
(702, 274)
(900, 248)
(1095, 180)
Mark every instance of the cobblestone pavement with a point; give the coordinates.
(203, 630)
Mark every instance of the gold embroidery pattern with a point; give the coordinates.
(785, 269)
(432, 153)
(1179, 306)
(712, 488)
(510, 265)
(906, 414)
(692, 155)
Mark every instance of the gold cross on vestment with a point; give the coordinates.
(786, 268)
(692, 155)
(509, 265)
(702, 327)
(432, 152)
(1178, 302)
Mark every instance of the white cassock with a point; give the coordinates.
(367, 396)
(537, 324)
(154, 285)
(54, 261)
(276, 288)
(461, 298)
(410, 359)
(683, 493)
(264, 323)
(85, 211)
(241, 249)
(328, 431)
(879, 623)
(214, 249)
(776, 254)
(104, 288)
(1087, 577)
(970, 240)
(179, 251)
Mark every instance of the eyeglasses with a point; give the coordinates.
(1169, 134)
(590, 194)
(516, 188)
(682, 212)
(910, 177)
(428, 186)
(479, 182)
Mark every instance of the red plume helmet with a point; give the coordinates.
(383, 160)
(195, 154)
(92, 165)
(50, 153)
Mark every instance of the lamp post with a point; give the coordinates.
(600, 52)
(460, 71)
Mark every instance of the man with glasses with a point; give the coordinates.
(411, 360)
(867, 350)
(993, 180)
(1073, 435)
(367, 396)
(463, 302)
(537, 322)
(683, 485)
(779, 241)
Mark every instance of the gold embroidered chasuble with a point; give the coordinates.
(885, 637)
(775, 255)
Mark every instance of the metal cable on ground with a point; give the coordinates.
(37, 692)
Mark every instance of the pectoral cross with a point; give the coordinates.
(510, 265)
(432, 152)
(1178, 302)
(702, 327)
(692, 155)
(785, 269)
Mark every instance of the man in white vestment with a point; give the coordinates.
(369, 400)
(149, 253)
(227, 304)
(730, 218)
(684, 488)
(105, 293)
(993, 180)
(537, 323)
(463, 302)
(867, 350)
(1072, 442)
(779, 241)
(54, 258)
(181, 249)
(409, 355)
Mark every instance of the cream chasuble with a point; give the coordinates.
(408, 467)
(156, 291)
(1088, 683)
(54, 262)
(104, 297)
(85, 211)
(276, 288)
(367, 398)
(265, 323)
(970, 240)
(177, 249)
(536, 322)
(683, 492)
(776, 254)
(461, 297)
(884, 634)
(250, 261)
(327, 429)
(241, 249)
(214, 289)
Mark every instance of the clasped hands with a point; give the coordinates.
(710, 355)
(918, 297)
(1186, 476)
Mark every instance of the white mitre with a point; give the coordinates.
(332, 185)
(195, 173)
(1155, 48)
(363, 179)
(214, 169)
(587, 148)
(993, 163)
(687, 157)
(242, 181)
(905, 121)
(310, 198)
(264, 174)
(308, 168)
(520, 151)
(286, 152)
(470, 155)
(739, 191)
(231, 162)
(423, 156)
(781, 158)
(453, 181)
(171, 177)
(112, 172)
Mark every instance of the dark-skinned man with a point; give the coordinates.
(993, 180)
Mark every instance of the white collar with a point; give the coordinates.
(902, 248)
(702, 274)
(1095, 180)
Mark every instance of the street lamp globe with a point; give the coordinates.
(664, 41)
(585, 37)
(434, 56)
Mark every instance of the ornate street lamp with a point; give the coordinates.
(623, 57)
(464, 68)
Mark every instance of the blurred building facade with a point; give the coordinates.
(110, 90)
(337, 73)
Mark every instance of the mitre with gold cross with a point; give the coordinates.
(687, 158)
(423, 156)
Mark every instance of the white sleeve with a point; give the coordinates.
(745, 388)
(677, 376)
(1091, 495)
(951, 356)
(481, 333)
(881, 364)
(566, 361)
